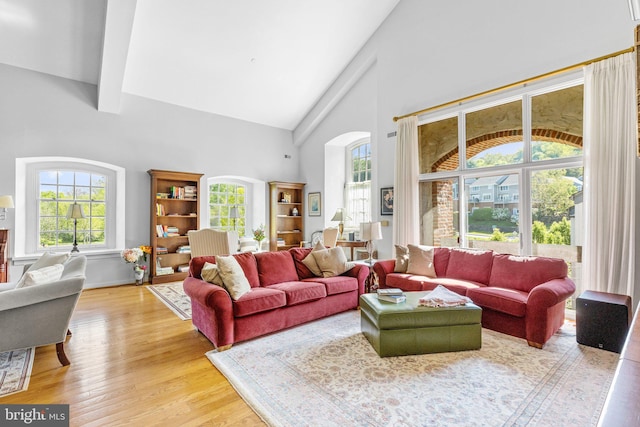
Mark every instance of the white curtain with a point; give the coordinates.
(406, 225)
(610, 146)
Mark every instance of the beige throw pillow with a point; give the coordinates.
(42, 276)
(332, 262)
(421, 261)
(311, 262)
(211, 274)
(233, 276)
(402, 259)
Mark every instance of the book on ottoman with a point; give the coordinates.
(396, 299)
(390, 291)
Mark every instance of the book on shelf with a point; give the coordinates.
(390, 291)
(160, 209)
(396, 299)
(161, 250)
(183, 249)
(159, 230)
(164, 270)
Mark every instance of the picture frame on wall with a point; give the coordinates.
(386, 201)
(315, 204)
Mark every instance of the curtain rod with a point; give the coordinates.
(512, 85)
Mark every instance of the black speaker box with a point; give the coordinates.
(602, 320)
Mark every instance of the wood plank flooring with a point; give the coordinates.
(134, 362)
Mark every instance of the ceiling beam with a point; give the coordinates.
(115, 48)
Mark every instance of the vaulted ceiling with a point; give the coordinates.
(263, 61)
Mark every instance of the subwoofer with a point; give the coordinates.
(602, 320)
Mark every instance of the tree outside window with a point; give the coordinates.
(222, 198)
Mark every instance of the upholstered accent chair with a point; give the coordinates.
(207, 242)
(35, 314)
(330, 237)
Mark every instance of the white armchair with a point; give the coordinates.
(39, 315)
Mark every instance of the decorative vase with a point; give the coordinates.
(139, 275)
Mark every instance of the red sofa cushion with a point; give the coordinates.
(298, 255)
(474, 266)
(299, 292)
(336, 284)
(259, 300)
(441, 260)
(510, 301)
(524, 273)
(411, 282)
(275, 267)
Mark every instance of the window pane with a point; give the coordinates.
(494, 136)
(556, 124)
(493, 213)
(440, 210)
(82, 178)
(48, 192)
(222, 197)
(558, 227)
(438, 146)
(65, 178)
(98, 180)
(357, 193)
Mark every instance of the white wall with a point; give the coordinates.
(43, 115)
(429, 53)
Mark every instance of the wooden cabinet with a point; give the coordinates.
(286, 224)
(174, 211)
(4, 255)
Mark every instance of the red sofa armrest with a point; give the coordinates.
(382, 268)
(360, 272)
(214, 316)
(545, 308)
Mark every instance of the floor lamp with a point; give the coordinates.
(233, 214)
(370, 231)
(75, 212)
(339, 216)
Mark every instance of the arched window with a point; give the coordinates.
(48, 186)
(358, 183)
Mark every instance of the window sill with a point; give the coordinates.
(90, 254)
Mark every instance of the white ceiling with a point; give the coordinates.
(264, 61)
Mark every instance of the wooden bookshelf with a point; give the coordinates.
(174, 211)
(285, 198)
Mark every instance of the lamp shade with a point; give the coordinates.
(6, 202)
(233, 212)
(370, 231)
(339, 215)
(75, 211)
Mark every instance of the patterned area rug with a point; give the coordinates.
(173, 296)
(326, 373)
(15, 370)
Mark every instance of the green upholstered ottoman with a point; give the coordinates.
(405, 328)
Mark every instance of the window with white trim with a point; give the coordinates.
(223, 197)
(47, 186)
(358, 184)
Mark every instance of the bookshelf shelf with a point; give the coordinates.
(172, 212)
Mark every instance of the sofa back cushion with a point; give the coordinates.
(523, 273)
(246, 260)
(441, 260)
(276, 267)
(298, 255)
(474, 266)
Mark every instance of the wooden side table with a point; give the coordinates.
(351, 244)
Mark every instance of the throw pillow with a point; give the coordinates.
(402, 259)
(211, 274)
(332, 262)
(421, 261)
(233, 276)
(311, 262)
(42, 276)
(47, 259)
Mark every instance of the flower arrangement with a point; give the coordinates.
(258, 234)
(137, 256)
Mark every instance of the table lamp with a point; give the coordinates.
(75, 212)
(6, 202)
(370, 231)
(339, 216)
(233, 214)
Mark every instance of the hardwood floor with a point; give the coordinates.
(134, 362)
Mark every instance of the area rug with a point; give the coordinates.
(173, 296)
(325, 373)
(15, 370)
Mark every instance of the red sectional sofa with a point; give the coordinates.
(284, 293)
(519, 295)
